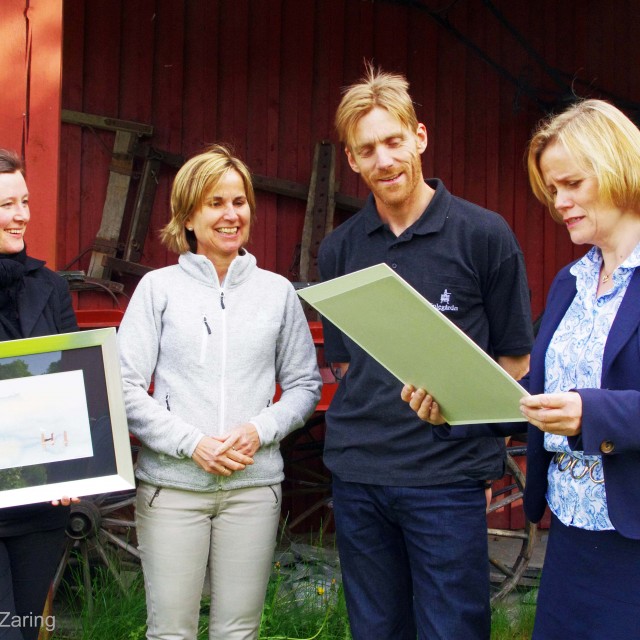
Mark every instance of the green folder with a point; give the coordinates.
(418, 344)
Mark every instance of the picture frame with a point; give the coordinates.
(63, 425)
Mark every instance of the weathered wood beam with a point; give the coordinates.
(108, 124)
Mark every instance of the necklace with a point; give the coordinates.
(606, 276)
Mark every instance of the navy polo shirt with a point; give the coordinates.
(466, 261)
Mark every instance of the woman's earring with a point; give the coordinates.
(189, 228)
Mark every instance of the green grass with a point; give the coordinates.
(319, 613)
(116, 614)
(514, 620)
(308, 611)
(313, 612)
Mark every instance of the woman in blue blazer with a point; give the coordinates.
(583, 454)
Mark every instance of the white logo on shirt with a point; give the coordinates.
(445, 299)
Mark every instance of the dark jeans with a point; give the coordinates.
(27, 565)
(414, 560)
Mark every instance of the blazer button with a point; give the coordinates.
(607, 446)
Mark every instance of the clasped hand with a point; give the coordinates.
(223, 455)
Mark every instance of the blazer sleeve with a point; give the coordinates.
(67, 316)
(609, 422)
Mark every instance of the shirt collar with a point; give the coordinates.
(431, 220)
(591, 262)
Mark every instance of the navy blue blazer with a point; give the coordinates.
(610, 416)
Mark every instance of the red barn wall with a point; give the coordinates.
(266, 75)
(31, 46)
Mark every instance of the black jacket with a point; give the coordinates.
(44, 308)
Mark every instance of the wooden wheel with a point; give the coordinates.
(509, 550)
(101, 529)
(308, 505)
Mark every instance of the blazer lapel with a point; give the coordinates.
(626, 322)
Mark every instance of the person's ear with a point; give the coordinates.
(352, 163)
(421, 135)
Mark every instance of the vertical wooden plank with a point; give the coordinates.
(328, 53)
(422, 75)
(70, 201)
(101, 72)
(295, 153)
(451, 105)
(42, 132)
(537, 225)
(493, 125)
(508, 165)
(232, 74)
(136, 61)
(456, 74)
(632, 23)
(201, 61)
(303, 151)
(167, 113)
(13, 73)
(262, 126)
(390, 45)
(329, 62)
(514, 109)
(135, 96)
(474, 147)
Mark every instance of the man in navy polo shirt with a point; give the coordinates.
(409, 508)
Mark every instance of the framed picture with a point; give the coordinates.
(63, 426)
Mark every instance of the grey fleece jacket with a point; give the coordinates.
(215, 354)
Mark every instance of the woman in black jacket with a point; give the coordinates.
(34, 301)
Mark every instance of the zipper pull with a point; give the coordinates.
(206, 324)
(222, 299)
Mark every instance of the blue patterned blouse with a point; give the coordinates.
(577, 493)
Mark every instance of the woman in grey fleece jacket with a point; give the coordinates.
(216, 333)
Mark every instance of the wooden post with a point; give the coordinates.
(45, 633)
(318, 218)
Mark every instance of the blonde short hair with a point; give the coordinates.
(192, 183)
(602, 141)
(375, 89)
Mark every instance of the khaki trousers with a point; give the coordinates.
(182, 534)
